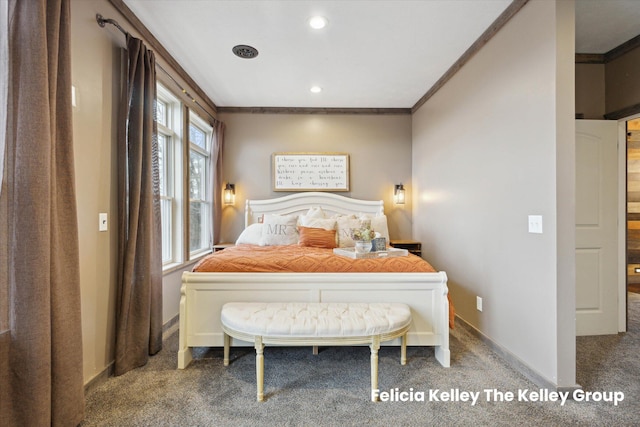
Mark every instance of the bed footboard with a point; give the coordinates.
(204, 294)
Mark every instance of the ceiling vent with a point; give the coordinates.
(244, 51)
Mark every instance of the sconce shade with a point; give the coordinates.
(398, 194)
(229, 194)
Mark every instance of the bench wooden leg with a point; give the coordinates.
(315, 350)
(375, 346)
(403, 350)
(260, 368)
(227, 344)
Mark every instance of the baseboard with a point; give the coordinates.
(170, 326)
(514, 361)
(167, 329)
(100, 378)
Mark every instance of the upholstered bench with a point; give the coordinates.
(313, 324)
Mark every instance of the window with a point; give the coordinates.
(185, 176)
(169, 118)
(200, 134)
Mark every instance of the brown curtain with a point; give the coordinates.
(139, 303)
(216, 178)
(41, 374)
(4, 84)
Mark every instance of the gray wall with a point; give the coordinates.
(590, 91)
(605, 88)
(493, 146)
(379, 148)
(622, 81)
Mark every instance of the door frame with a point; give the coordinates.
(622, 225)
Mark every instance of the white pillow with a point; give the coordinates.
(315, 212)
(279, 230)
(250, 235)
(336, 216)
(312, 213)
(379, 224)
(326, 223)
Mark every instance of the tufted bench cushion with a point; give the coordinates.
(315, 319)
(296, 323)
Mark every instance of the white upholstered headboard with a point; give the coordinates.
(299, 203)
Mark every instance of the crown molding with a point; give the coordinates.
(615, 53)
(305, 110)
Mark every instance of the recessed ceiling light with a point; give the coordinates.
(315, 89)
(244, 51)
(318, 22)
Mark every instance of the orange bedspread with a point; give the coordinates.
(301, 259)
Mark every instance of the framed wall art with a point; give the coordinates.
(310, 172)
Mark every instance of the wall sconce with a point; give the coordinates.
(398, 194)
(230, 194)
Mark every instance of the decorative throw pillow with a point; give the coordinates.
(317, 237)
(346, 225)
(379, 224)
(279, 230)
(250, 235)
(326, 223)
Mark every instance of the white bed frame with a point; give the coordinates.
(204, 294)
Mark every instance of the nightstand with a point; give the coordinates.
(410, 245)
(221, 246)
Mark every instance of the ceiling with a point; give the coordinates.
(602, 25)
(371, 54)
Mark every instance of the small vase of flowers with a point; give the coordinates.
(362, 237)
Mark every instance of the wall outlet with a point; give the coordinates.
(479, 303)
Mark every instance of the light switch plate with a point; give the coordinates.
(102, 222)
(535, 224)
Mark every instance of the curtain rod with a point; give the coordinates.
(103, 21)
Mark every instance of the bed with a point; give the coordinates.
(204, 293)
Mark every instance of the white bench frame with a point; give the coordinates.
(261, 340)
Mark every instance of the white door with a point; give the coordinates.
(596, 227)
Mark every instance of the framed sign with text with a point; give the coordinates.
(310, 172)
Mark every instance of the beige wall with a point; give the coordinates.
(590, 91)
(606, 88)
(379, 147)
(623, 81)
(95, 70)
(475, 185)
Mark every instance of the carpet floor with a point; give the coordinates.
(332, 388)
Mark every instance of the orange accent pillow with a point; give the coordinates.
(317, 237)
